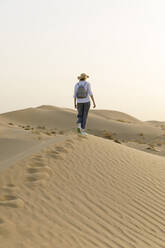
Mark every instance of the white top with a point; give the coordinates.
(88, 88)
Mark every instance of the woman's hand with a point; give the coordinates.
(93, 100)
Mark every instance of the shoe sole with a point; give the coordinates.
(84, 134)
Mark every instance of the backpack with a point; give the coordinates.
(81, 91)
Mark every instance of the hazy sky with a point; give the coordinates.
(46, 44)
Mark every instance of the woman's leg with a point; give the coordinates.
(80, 109)
(85, 114)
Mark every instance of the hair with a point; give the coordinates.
(82, 79)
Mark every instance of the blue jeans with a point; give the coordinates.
(83, 109)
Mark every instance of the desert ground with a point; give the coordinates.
(61, 190)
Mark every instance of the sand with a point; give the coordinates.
(63, 190)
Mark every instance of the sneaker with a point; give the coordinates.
(79, 128)
(83, 133)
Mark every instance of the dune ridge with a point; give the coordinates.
(87, 192)
(124, 126)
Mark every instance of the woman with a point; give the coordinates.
(82, 91)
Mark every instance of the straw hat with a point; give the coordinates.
(83, 76)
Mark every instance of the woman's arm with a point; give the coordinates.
(93, 100)
(91, 95)
(75, 104)
(74, 95)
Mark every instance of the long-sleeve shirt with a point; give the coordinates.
(88, 89)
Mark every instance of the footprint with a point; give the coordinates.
(32, 181)
(11, 185)
(8, 188)
(61, 149)
(38, 175)
(68, 145)
(3, 228)
(37, 172)
(33, 170)
(37, 164)
(6, 228)
(1, 221)
(37, 158)
(54, 154)
(11, 201)
(69, 141)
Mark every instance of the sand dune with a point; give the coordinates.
(58, 189)
(42, 116)
(120, 125)
(115, 115)
(25, 127)
(111, 197)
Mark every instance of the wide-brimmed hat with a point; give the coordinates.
(83, 76)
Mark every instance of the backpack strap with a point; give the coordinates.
(87, 86)
(86, 83)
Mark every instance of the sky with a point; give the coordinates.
(46, 44)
